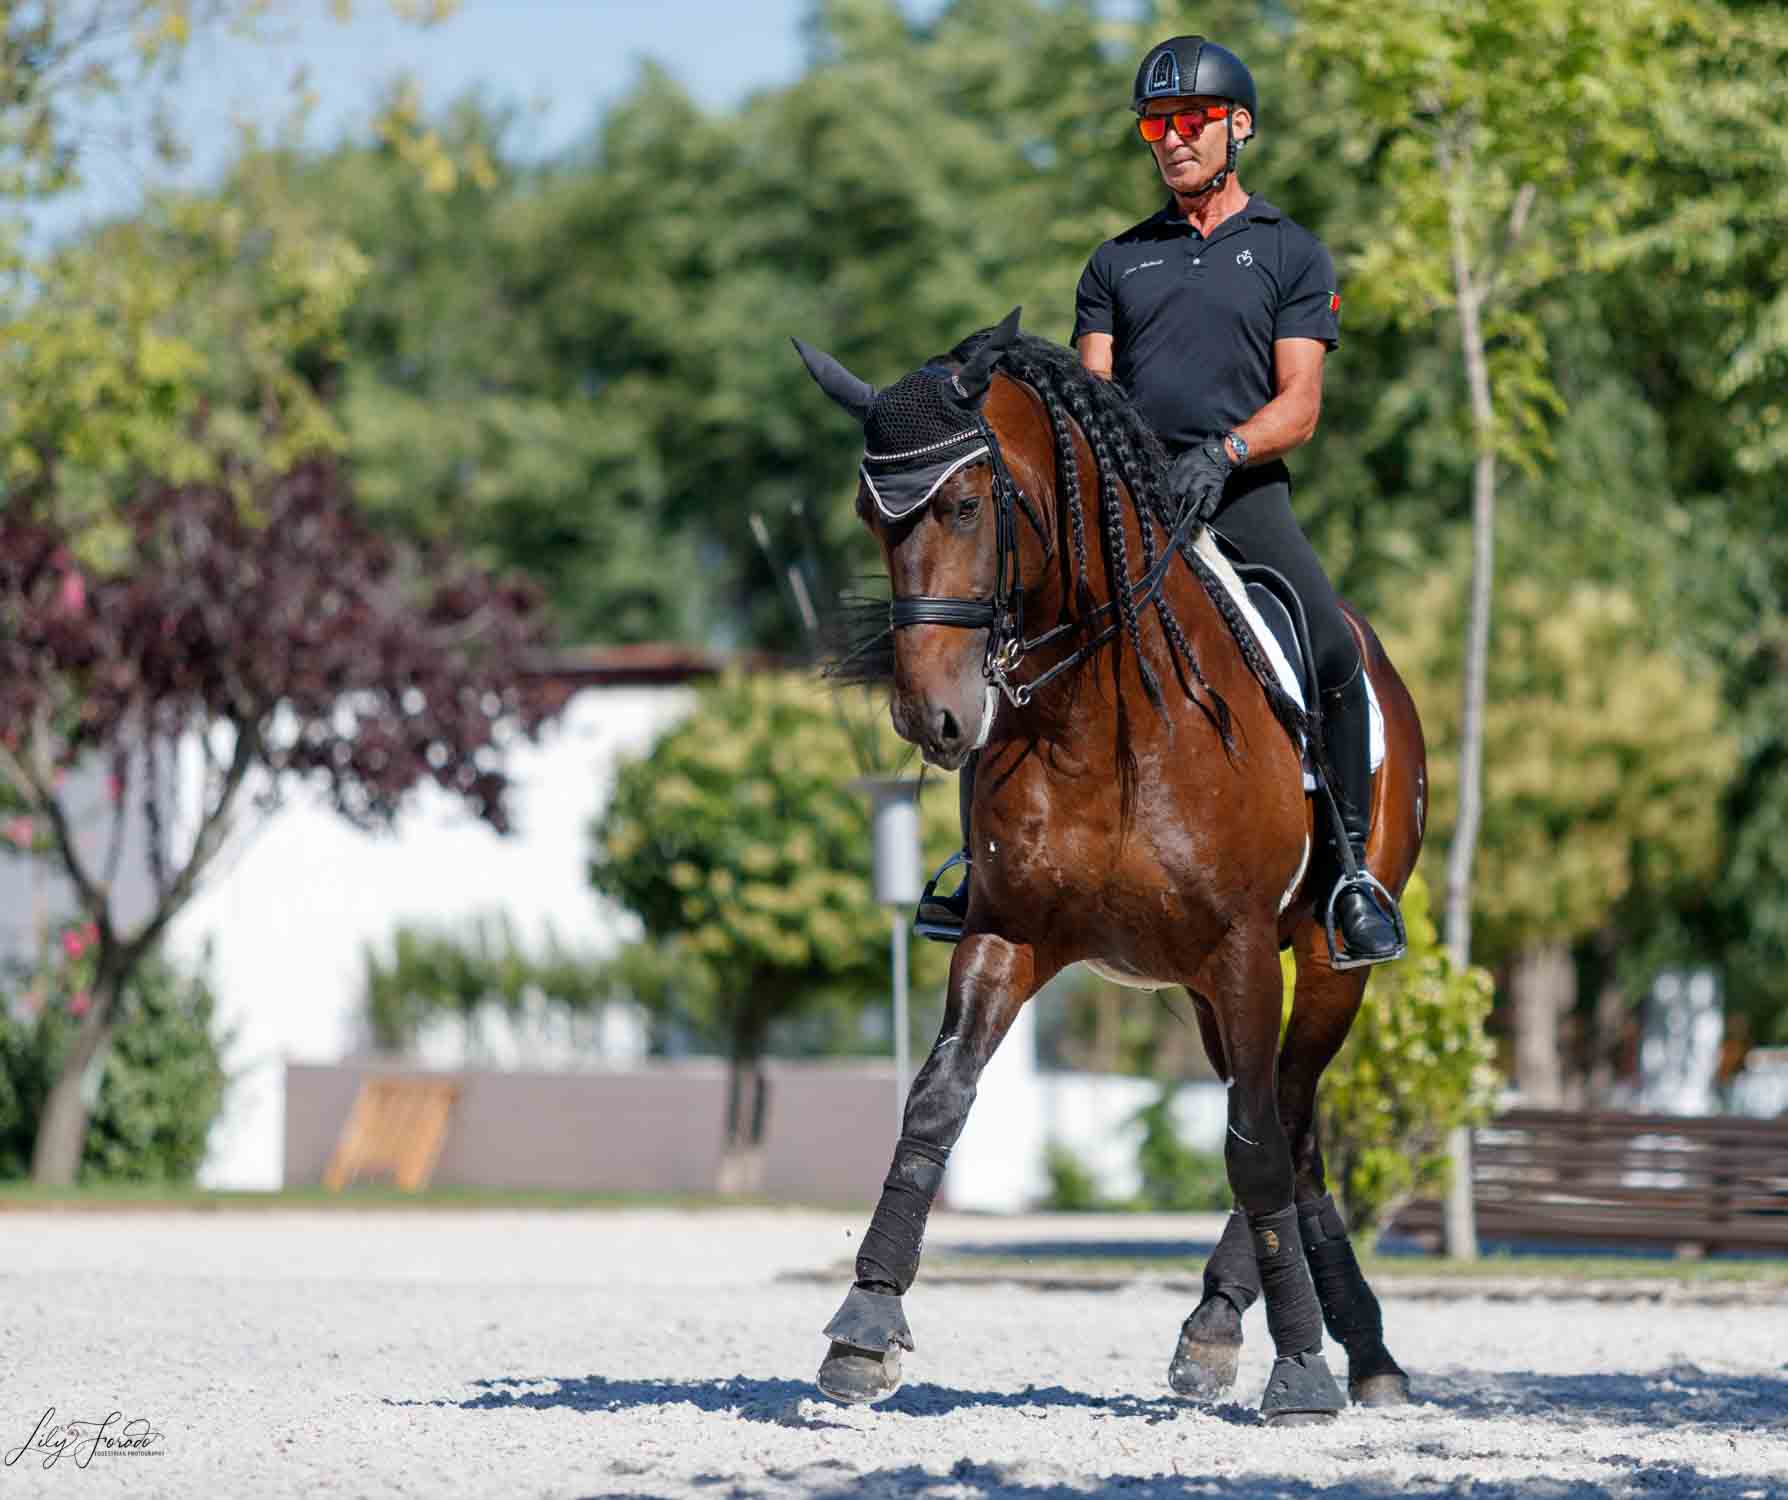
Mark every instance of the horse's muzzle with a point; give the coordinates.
(945, 735)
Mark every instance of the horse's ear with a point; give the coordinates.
(972, 380)
(854, 395)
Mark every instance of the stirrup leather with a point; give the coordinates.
(942, 932)
(1362, 877)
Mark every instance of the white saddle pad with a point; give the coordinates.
(1207, 548)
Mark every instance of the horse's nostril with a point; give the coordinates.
(949, 731)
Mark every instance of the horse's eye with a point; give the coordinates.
(969, 509)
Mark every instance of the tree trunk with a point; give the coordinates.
(747, 1109)
(1543, 985)
(1460, 1221)
(1608, 1035)
(62, 1130)
(1483, 558)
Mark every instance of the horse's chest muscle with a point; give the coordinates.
(1049, 855)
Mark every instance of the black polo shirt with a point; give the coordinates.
(1194, 319)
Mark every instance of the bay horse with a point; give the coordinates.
(1139, 807)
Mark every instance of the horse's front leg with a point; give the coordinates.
(990, 979)
(1209, 1352)
(1244, 984)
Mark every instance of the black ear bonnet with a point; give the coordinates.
(917, 434)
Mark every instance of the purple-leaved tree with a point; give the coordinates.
(281, 637)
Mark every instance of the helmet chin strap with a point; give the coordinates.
(1222, 172)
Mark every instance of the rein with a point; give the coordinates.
(1002, 615)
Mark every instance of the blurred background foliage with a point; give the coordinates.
(161, 1083)
(578, 366)
(424, 975)
(1418, 1062)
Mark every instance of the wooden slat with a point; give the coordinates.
(397, 1127)
(1656, 1179)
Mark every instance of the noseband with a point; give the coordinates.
(1002, 615)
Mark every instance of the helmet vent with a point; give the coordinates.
(1164, 78)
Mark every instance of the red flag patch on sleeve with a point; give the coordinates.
(1334, 302)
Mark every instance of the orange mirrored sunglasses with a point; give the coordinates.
(1186, 122)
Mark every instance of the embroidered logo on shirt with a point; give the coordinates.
(1246, 258)
(1141, 266)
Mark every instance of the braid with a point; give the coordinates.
(1067, 472)
(1127, 452)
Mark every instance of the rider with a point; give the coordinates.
(1216, 314)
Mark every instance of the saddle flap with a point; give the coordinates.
(1277, 618)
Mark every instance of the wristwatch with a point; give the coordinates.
(1240, 444)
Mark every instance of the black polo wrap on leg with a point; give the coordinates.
(1294, 1316)
(1348, 1304)
(1232, 1272)
(889, 1259)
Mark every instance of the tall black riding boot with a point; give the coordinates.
(1370, 934)
(941, 917)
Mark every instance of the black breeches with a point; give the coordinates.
(1259, 524)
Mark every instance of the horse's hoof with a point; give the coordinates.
(1203, 1371)
(1298, 1418)
(1300, 1391)
(1380, 1390)
(859, 1376)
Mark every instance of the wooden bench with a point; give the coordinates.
(1699, 1184)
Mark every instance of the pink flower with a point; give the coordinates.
(79, 1003)
(74, 943)
(21, 832)
(72, 596)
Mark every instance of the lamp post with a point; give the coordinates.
(898, 883)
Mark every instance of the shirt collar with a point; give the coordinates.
(1255, 210)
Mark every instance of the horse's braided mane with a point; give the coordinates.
(1129, 461)
(1126, 452)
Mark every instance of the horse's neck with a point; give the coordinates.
(1193, 609)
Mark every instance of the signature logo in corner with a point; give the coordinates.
(1141, 265)
(52, 1441)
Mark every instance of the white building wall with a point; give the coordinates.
(289, 907)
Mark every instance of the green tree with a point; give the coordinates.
(185, 346)
(427, 974)
(1593, 798)
(1417, 1065)
(161, 345)
(1698, 315)
(1510, 138)
(160, 1087)
(741, 846)
(1176, 1178)
(61, 60)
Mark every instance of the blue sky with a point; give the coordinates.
(564, 59)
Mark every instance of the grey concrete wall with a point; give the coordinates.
(829, 1133)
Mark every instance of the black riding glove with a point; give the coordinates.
(1199, 475)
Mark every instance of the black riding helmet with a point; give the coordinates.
(1183, 66)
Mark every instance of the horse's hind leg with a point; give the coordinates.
(1243, 979)
(989, 980)
(1323, 1010)
(1210, 1347)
